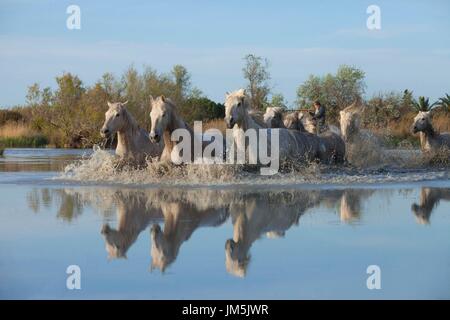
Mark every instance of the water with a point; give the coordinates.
(286, 237)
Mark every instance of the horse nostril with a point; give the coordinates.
(105, 131)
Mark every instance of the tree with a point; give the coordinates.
(444, 102)
(201, 109)
(423, 104)
(182, 83)
(257, 74)
(407, 101)
(278, 101)
(335, 91)
(33, 97)
(111, 86)
(383, 108)
(134, 92)
(69, 92)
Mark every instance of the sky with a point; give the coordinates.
(211, 38)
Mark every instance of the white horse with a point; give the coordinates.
(293, 145)
(164, 121)
(331, 145)
(307, 122)
(274, 118)
(133, 144)
(363, 147)
(430, 139)
(292, 121)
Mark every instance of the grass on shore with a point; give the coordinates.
(17, 135)
(215, 124)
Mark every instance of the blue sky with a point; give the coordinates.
(412, 49)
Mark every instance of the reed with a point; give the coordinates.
(215, 124)
(18, 135)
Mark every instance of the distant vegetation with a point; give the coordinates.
(72, 114)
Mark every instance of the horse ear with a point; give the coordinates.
(163, 98)
(243, 102)
(109, 104)
(241, 91)
(124, 103)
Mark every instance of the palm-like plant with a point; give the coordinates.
(445, 102)
(423, 104)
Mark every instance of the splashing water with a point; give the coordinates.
(391, 166)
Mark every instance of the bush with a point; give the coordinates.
(10, 116)
(201, 109)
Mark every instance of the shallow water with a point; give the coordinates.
(292, 236)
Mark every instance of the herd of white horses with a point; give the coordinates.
(298, 140)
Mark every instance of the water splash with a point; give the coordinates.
(392, 166)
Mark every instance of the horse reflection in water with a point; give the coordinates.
(429, 199)
(261, 213)
(182, 213)
(351, 204)
(134, 214)
(272, 214)
(253, 214)
(180, 221)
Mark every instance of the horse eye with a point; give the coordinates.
(118, 115)
(239, 104)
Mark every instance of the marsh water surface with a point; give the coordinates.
(230, 241)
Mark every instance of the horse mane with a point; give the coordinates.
(172, 104)
(278, 111)
(130, 120)
(258, 117)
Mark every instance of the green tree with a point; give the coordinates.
(201, 109)
(335, 91)
(407, 101)
(383, 108)
(423, 104)
(133, 85)
(257, 74)
(444, 102)
(182, 83)
(278, 101)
